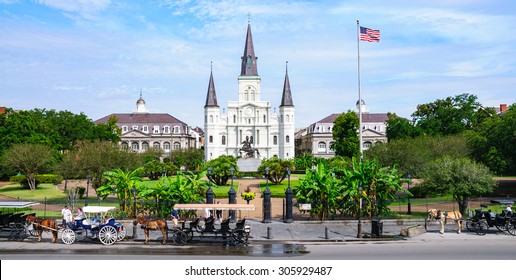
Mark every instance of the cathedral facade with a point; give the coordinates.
(249, 121)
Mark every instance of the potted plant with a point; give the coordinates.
(248, 195)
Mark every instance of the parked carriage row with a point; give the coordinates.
(98, 225)
(483, 220)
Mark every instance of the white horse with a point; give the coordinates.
(443, 216)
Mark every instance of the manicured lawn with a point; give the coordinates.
(43, 190)
(279, 190)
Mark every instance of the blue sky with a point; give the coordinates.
(94, 56)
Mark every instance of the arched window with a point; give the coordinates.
(264, 118)
(145, 146)
(234, 118)
(287, 139)
(125, 145)
(177, 145)
(275, 140)
(223, 140)
(211, 118)
(156, 145)
(211, 139)
(321, 147)
(166, 146)
(135, 146)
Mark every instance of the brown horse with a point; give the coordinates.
(443, 216)
(153, 224)
(41, 225)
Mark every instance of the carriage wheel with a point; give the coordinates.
(80, 234)
(510, 228)
(471, 225)
(482, 228)
(180, 237)
(31, 230)
(501, 227)
(239, 237)
(107, 235)
(122, 232)
(189, 234)
(68, 236)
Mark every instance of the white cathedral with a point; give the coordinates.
(249, 118)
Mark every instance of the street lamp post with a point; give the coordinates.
(359, 229)
(232, 195)
(88, 179)
(163, 170)
(288, 198)
(409, 210)
(267, 199)
(135, 213)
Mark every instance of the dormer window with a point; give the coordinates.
(124, 128)
(135, 127)
(177, 129)
(155, 129)
(145, 128)
(166, 129)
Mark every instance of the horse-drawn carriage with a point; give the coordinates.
(98, 224)
(482, 220)
(208, 228)
(13, 223)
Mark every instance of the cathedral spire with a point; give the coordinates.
(286, 98)
(211, 96)
(249, 67)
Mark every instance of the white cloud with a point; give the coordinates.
(87, 9)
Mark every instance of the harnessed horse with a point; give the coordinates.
(152, 224)
(40, 225)
(443, 216)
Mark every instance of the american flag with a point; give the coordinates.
(369, 35)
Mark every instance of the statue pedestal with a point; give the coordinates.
(248, 164)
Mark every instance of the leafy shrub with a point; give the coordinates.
(48, 179)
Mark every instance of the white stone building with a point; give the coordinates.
(249, 117)
(141, 130)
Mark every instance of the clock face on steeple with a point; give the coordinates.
(248, 111)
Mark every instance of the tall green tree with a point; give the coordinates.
(346, 140)
(494, 142)
(401, 128)
(29, 159)
(462, 178)
(451, 115)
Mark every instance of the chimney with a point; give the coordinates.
(503, 108)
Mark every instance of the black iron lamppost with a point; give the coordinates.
(163, 170)
(288, 197)
(135, 213)
(232, 195)
(409, 210)
(210, 195)
(267, 199)
(88, 179)
(359, 230)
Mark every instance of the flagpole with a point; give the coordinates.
(359, 94)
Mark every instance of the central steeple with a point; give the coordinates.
(249, 67)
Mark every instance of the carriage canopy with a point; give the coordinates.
(17, 204)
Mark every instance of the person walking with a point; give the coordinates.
(66, 215)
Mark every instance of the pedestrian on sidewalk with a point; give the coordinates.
(66, 215)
